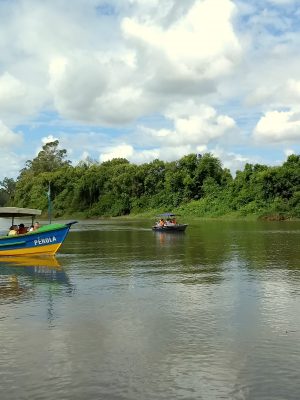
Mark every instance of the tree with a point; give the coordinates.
(153, 176)
(292, 160)
(49, 159)
(3, 197)
(208, 167)
(8, 188)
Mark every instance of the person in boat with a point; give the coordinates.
(36, 226)
(22, 229)
(161, 222)
(13, 230)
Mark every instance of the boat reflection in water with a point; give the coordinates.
(47, 261)
(10, 288)
(169, 238)
(17, 272)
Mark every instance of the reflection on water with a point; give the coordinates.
(19, 275)
(169, 238)
(128, 313)
(10, 288)
(29, 261)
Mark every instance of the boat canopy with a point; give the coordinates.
(9, 212)
(166, 215)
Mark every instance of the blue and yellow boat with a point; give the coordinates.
(45, 240)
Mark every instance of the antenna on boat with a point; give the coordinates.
(49, 203)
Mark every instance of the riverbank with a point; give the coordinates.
(183, 214)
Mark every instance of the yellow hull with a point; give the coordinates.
(29, 261)
(49, 249)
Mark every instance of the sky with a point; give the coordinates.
(148, 79)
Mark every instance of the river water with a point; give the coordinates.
(127, 313)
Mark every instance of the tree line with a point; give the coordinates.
(195, 185)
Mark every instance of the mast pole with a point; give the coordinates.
(49, 204)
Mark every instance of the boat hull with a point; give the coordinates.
(170, 228)
(42, 242)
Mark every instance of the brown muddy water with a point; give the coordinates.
(127, 313)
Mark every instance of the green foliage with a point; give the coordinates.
(49, 159)
(294, 205)
(4, 198)
(7, 191)
(194, 185)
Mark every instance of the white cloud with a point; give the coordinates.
(10, 163)
(85, 156)
(165, 153)
(87, 74)
(190, 52)
(10, 89)
(17, 98)
(204, 34)
(146, 156)
(279, 93)
(126, 62)
(192, 125)
(264, 79)
(90, 88)
(153, 62)
(288, 152)
(121, 151)
(278, 126)
(32, 35)
(232, 161)
(8, 138)
(48, 139)
(281, 2)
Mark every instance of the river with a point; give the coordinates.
(127, 313)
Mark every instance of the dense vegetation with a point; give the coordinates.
(194, 185)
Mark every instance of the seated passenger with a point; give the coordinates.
(36, 226)
(22, 229)
(13, 230)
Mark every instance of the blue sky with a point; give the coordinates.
(146, 79)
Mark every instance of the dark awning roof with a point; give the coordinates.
(8, 212)
(166, 215)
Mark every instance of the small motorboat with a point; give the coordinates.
(167, 223)
(45, 240)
